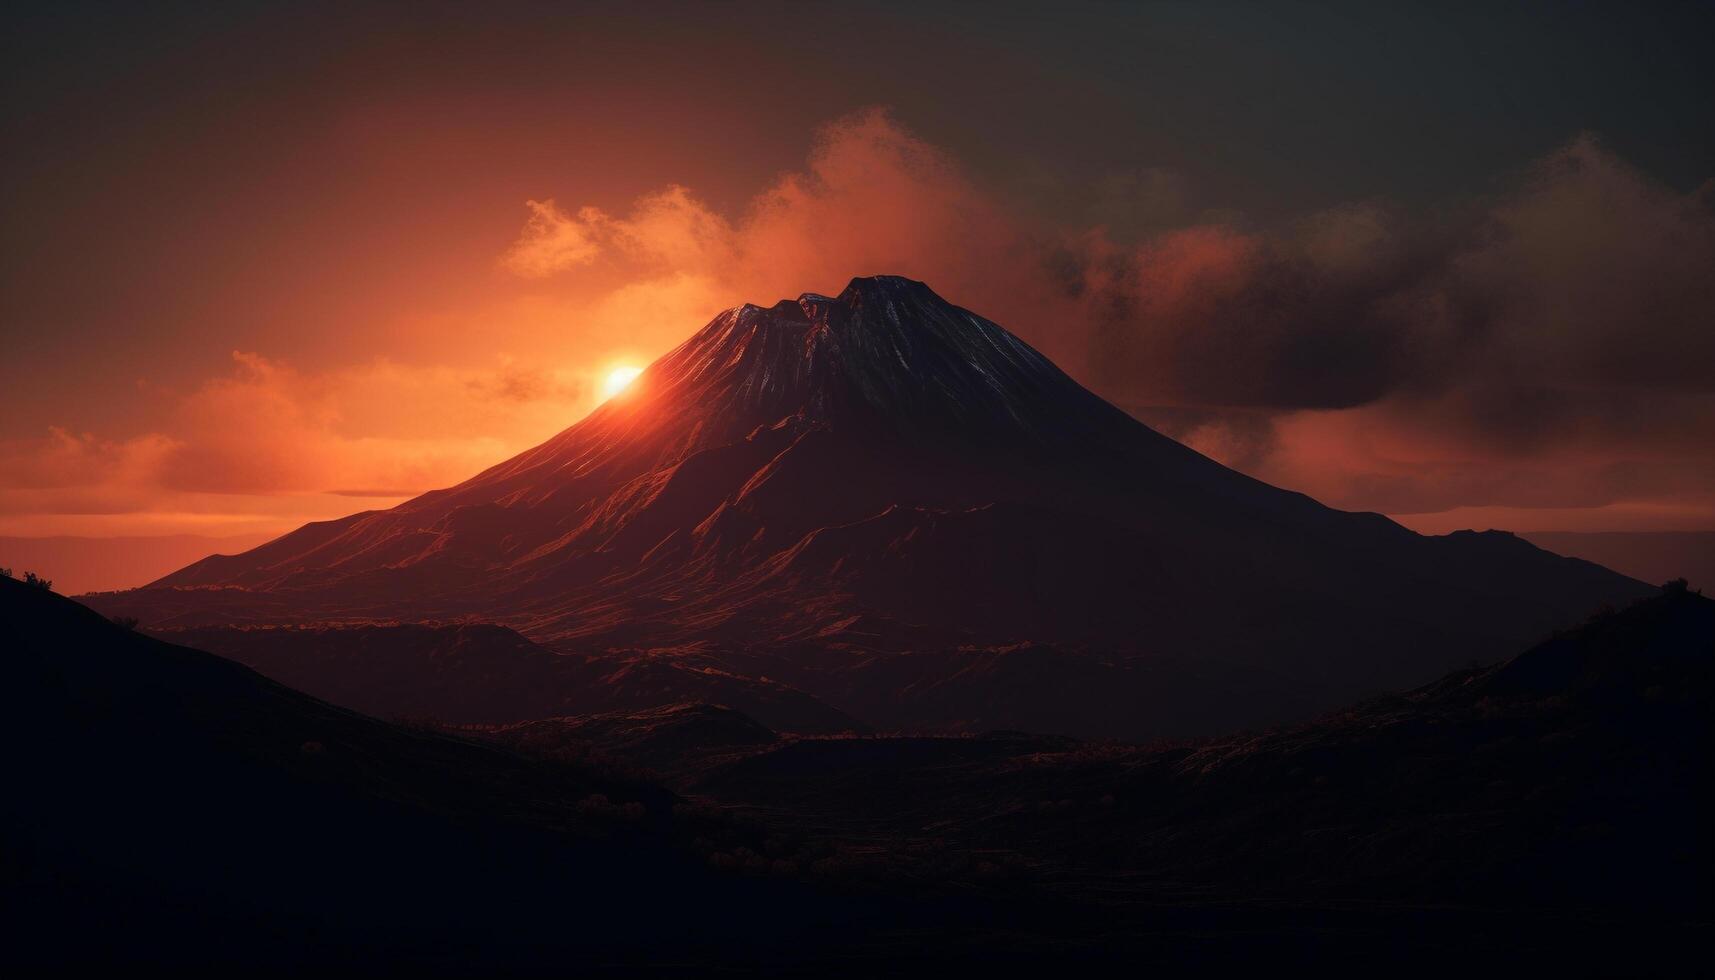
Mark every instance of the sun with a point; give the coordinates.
(618, 379)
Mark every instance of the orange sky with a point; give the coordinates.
(290, 302)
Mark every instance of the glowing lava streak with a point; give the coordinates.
(617, 380)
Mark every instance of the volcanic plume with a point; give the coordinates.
(898, 507)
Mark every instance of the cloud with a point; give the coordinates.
(268, 428)
(267, 431)
(1550, 346)
(1561, 332)
(554, 241)
(63, 459)
(1562, 355)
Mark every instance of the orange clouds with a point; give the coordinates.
(873, 199)
(1547, 348)
(268, 438)
(554, 241)
(1507, 353)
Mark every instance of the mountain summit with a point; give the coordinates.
(887, 354)
(897, 506)
(887, 363)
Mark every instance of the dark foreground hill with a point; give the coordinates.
(901, 510)
(1546, 815)
(166, 807)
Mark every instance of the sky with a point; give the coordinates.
(271, 263)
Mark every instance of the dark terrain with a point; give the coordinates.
(837, 644)
(1549, 813)
(474, 673)
(1575, 775)
(882, 507)
(165, 806)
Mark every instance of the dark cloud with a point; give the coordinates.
(1210, 316)
(1550, 346)
(1571, 318)
(1586, 275)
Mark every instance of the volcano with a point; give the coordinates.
(899, 508)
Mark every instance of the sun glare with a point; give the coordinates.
(618, 379)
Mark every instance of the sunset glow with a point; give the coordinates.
(452, 279)
(618, 379)
(816, 488)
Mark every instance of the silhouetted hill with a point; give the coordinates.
(847, 494)
(165, 806)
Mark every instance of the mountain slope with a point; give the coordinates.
(825, 490)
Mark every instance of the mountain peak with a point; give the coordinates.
(883, 471)
(886, 352)
(872, 289)
(874, 293)
(890, 302)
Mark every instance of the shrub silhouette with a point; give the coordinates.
(5, 573)
(125, 622)
(31, 578)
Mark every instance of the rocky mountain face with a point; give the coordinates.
(901, 510)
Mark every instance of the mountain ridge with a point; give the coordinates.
(888, 459)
